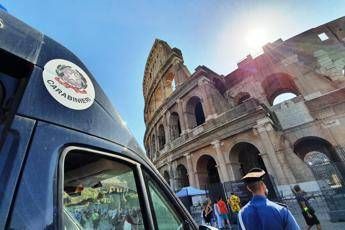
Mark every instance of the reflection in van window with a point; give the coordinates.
(166, 217)
(99, 193)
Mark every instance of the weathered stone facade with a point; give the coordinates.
(204, 127)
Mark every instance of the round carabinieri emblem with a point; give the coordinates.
(68, 84)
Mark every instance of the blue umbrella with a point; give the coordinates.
(190, 191)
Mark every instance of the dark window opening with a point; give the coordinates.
(161, 137)
(175, 127)
(199, 114)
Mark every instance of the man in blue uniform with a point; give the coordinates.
(261, 213)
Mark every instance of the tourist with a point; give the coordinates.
(260, 212)
(216, 212)
(223, 210)
(307, 210)
(207, 212)
(235, 206)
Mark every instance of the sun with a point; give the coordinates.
(255, 39)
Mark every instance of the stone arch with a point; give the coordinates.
(321, 157)
(161, 137)
(182, 179)
(234, 158)
(278, 83)
(169, 83)
(175, 126)
(246, 156)
(195, 112)
(166, 176)
(207, 171)
(241, 97)
(308, 144)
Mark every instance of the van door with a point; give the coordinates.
(83, 187)
(99, 190)
(106, 191)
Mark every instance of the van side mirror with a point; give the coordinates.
(205, 227)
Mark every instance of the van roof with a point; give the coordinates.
(100, 119)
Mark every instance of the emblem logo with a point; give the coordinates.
(68, 84)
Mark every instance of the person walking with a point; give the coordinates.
(217, 215)
(207, 212)
(235, 205)
(260, 213)
(307, 210)
(223, 210)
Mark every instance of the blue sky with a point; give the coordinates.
(113, 38)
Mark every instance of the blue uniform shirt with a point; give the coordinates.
(262, 214)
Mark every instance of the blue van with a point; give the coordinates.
(67, 160)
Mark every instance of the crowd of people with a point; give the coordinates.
(221, 214)
(259, 212)
(107, 218)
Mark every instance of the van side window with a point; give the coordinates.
(99, 192)
(165, 215)
(13, 71)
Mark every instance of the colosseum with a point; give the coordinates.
(283, 111)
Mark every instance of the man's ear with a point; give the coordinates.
(249, 189)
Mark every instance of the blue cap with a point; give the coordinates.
(3, 8)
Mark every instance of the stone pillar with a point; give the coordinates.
(300, 170)
(221, 161)
(233, 169)
(281, 155)
(208, 107)
(182, 117)
(164, 93)
(156, 141)
(170, 170)
(269, 157)
(173, 167)
(166, 130)
(190, 169)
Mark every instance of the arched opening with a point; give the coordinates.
(181, 177)
(175, 127)
(277, 84)
(309, 144)
(323, 160)
(283, 97)
(241, 97)
(195, 112)
(161, 137)
(248, 157)
(173, 85)
(207, 171)
(166, 177)
(169, 83)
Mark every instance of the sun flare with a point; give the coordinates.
(256, 38)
